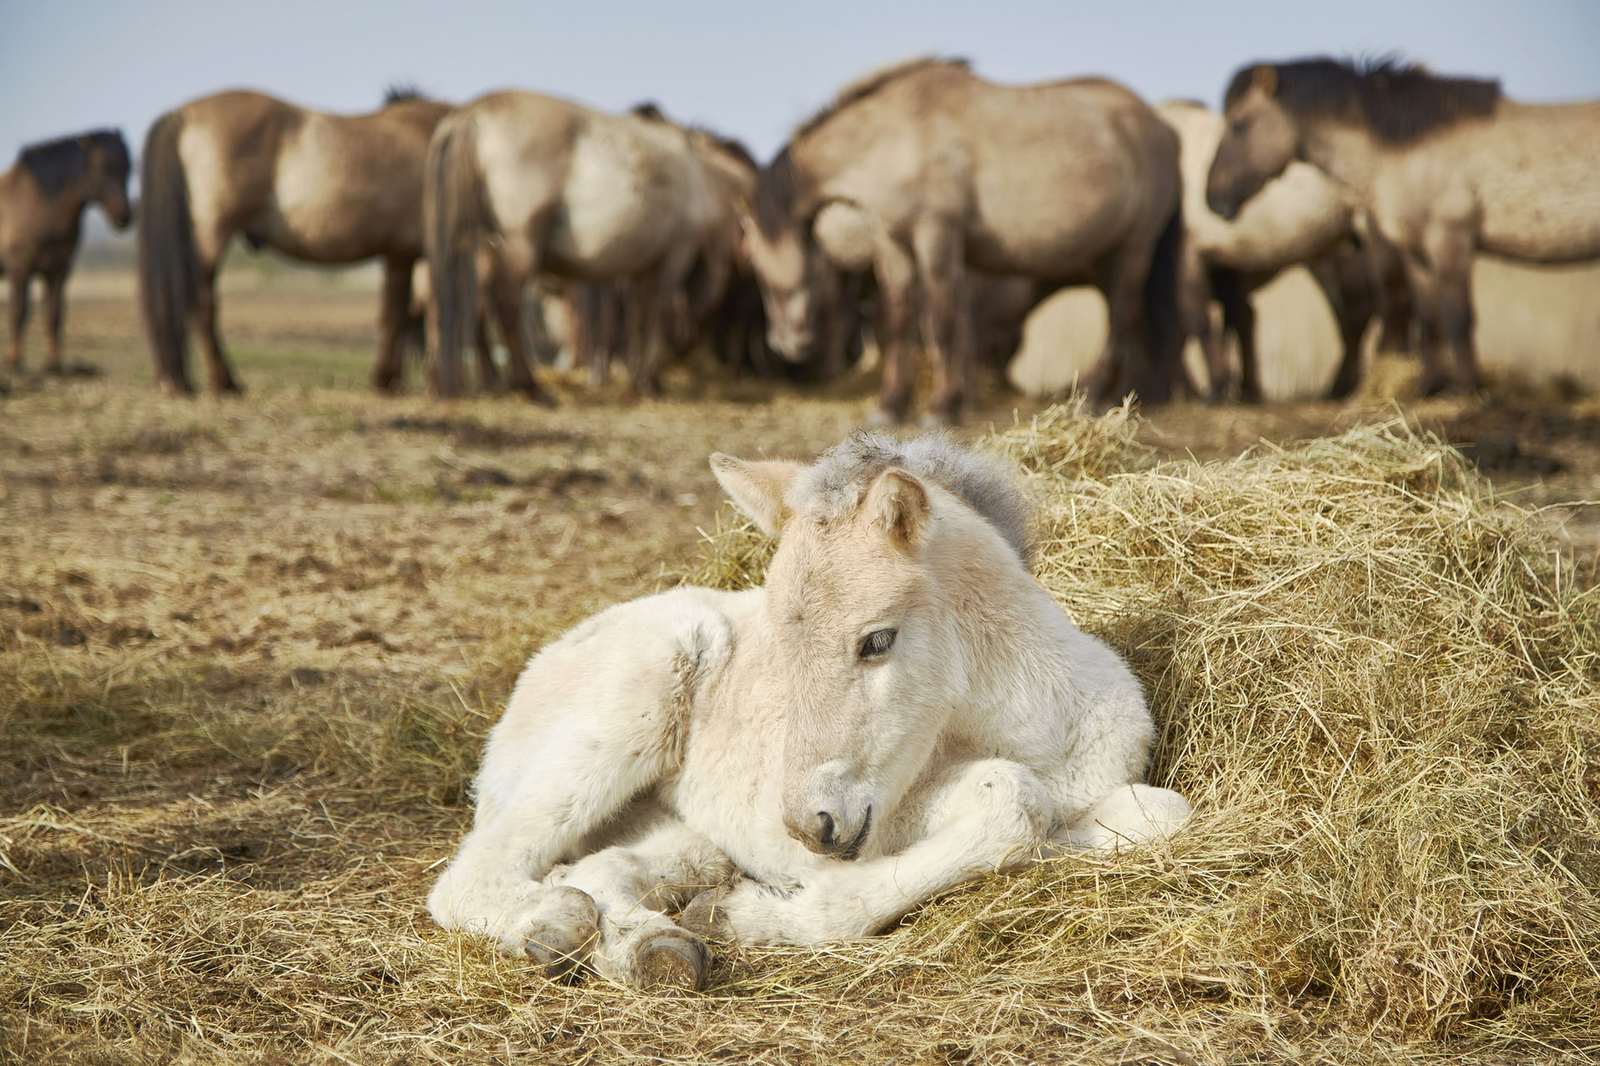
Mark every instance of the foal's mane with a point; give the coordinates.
(778, 186)
(55, 163)
(835, 483)
(1397, 100)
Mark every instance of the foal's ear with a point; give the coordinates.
(898, 502)
(756, 487)
(1265, 78)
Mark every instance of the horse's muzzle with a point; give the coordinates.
(828, 834)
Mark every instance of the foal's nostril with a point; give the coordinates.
(825, 829)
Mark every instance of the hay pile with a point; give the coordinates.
(1381, 689)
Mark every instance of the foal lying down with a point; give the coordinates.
(901, 708)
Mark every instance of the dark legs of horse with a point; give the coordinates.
(505, 296)
(203, 317)
(1396, 313)
(55, 316)
(1345, 278)
(1124, 366)
(20, 296)
(394, 309)
(1239, 318)
(941, 268)
(897, 281)
(488, 373)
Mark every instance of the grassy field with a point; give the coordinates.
(249, 649)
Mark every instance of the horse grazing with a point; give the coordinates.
(42, 199)
(900, 708)
(1065, 183)
(1444, 166)
(1297, 218)
(315, 186)
(583, 195)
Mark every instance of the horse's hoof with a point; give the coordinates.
(562, 935)
(675, 959)
(706, 914)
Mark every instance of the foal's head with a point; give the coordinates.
(866, 599)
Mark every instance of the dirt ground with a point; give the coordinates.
(248, 648)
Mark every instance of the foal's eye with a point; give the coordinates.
(876, 645)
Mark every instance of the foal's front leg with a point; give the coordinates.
(991, 815)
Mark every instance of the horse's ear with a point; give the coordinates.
(898, 502)
(757, 488)
(1265, 78)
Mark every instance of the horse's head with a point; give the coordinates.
(794, 276)
(1260, 139)
(861, 605)
(108, 166)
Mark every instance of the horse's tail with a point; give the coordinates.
(1163, 312)
(169, 262)
(453, 226)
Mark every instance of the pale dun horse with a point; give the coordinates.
(563, 191)
(901, 708)
(1445, 167)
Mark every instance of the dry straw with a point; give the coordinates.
(1379, 685)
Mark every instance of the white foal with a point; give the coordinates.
(901, 708)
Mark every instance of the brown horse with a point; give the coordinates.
(1064, 183)
(582, 195)
(315, 186)
(42, 199)
(1444, 166)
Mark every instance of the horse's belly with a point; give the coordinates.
(619, 212)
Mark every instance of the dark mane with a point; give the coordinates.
(869, 84)
(648, 110)
(401, 92)
(777, 195)
(54, 164)
(731, 145)
(1398, 101)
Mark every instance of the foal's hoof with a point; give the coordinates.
(672, 959)
(562, 934)
(706, 914)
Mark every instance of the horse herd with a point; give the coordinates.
(924, 201)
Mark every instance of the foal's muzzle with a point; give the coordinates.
(831, 833)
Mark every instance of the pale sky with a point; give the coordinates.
(748, 69)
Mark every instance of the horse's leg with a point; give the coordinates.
(205, 322)
(1239, 318)
(488, 373)
(988, 815)
(656, 865)
(941, 267)
(513, 267)
(20, 295)
(1343, 276)
(1195, 292)
(595, 719)
(394, 309)
(1448, 245)
(1129, 815)
(897, 342)
(1424, 284)
(55, 315)
(1125, 365)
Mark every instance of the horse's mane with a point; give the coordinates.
(402, 92)
(1186, 101)
(1397, 100)
(55, 163)
(986, 483)
(651, 111)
